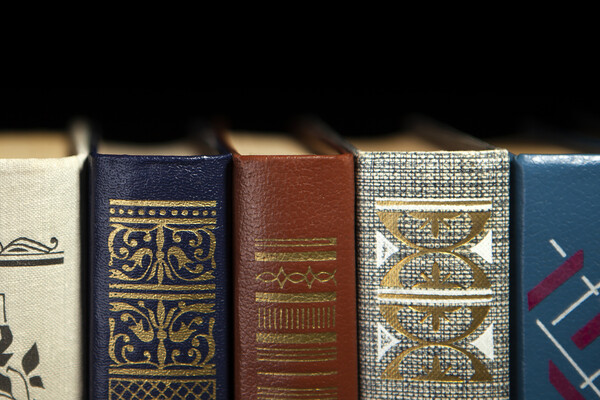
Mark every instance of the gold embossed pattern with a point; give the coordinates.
(202, 389)
(296, 302)
(162, 294)
(447, 301)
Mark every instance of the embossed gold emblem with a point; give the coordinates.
(437, 295)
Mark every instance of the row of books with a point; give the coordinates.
(421, 265)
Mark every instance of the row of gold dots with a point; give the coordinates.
(160, 212)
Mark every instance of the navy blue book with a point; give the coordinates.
(161, 318)
(556, 275)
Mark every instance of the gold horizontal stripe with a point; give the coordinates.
(270, 297)
(295, 256)
(330, 239)
(158, 220)
(296, 338)
(300, 354)
(284, 397)
(298, 373)
(297, 359)
(292, 245)
(433, 203)
(297, 355)
(281, 389)
(162, 203)
(317, 242)
(133, 286)
(162, 372)
(432, 296)
(296, 349)
(162, 296)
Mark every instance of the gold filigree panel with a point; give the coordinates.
(162, 241)
(162, 292)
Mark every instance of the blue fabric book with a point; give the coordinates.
(161, 317)
(556, 276)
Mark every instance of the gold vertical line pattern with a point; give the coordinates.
(270, 318)
(319, 318)
(303, 318)
(265, 318)
(280, 318)
(259, 317)
(329, 317)
(297, 318)
(313, 317)
(334, 316)
(287, 315)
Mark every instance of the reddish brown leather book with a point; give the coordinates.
(295, 295)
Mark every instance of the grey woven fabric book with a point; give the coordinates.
(432, 266)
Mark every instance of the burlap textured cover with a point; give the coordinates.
(433, 274)
(41, 307)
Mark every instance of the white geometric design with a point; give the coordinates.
(484, 248)
(485, 342)
(384, 248)
(385, 341)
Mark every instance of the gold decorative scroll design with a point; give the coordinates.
(162, 241)
(296, 277)
(161, 337)
(438, 294)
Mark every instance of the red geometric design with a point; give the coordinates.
(556, 278)
(562, 384)
(586, 335)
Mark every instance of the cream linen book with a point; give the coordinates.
(40, 265)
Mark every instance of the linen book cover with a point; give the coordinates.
(557, 276)
(41, 307)
(294, 303)
(432, 229)
(160, 277)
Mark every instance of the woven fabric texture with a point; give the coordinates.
(433, 274)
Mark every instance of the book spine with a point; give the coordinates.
(294, 301)
(433, 275)
(557, 318)
(41, 335)
(161, 314)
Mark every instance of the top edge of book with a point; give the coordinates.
(45, 145)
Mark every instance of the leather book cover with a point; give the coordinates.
(294, 302)
(433, 267)
(556, 285)
(160, 277)
(41, 256)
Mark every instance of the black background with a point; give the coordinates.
(161, 114)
